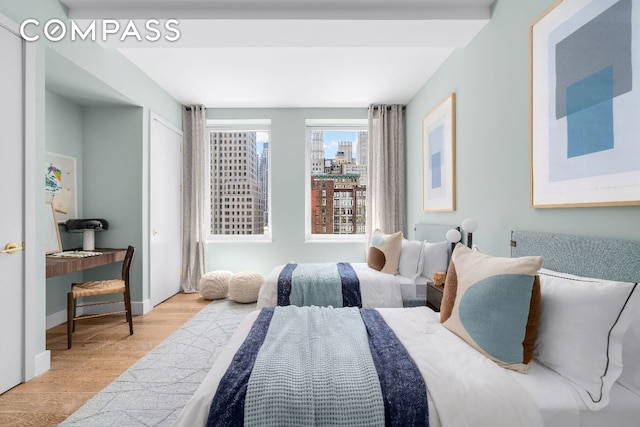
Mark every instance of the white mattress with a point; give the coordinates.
(376, 289)
(464, 387)
(412, 289)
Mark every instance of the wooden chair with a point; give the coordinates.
(101, 287)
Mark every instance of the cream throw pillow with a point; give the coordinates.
(384, 251)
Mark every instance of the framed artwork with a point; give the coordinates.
(52, 232)
(585, 104)
(439, 157)
(60, 185)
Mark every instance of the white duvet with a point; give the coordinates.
(376, 289)
(464, 387)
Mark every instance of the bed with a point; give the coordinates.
(419, 258)
(466, 388)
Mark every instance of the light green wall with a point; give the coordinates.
(491, 80)
(287, 151)
(64, 136)
(113, 177)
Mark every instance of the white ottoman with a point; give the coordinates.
(215, 284)
(244, 286)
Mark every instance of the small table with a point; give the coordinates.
(60, 266)
(434, 296)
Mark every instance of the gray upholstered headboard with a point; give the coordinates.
(610, 259)
(432, 232)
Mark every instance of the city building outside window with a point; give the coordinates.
(336, 181)
(239, 181)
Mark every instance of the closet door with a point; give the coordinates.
(12, 262)
(165, 210)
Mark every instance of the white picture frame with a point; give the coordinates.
(61, 185)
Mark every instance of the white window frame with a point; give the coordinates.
(326, 125)
(237, 126)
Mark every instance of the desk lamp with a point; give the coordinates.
(87, 227)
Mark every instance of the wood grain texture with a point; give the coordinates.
(102, 350)
(60, 266)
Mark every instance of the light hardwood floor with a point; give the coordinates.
(102, 350)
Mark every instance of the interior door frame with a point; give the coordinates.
(34, 363)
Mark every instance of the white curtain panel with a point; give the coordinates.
(194, 236)
(385, 178)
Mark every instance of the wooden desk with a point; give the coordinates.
(60, 266)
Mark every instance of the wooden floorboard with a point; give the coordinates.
(102, 350)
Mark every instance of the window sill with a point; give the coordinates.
(323, 238)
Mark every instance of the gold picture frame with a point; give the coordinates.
(439, 157)
(584, 107)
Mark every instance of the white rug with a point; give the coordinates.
(154, 390)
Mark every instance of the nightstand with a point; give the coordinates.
(434, 296)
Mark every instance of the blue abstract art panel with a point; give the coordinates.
(586, 104)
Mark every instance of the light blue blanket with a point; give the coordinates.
(323, 285)
(316, 284)
(314, 368)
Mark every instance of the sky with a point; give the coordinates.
(331, 139)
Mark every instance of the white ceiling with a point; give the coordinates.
(292, 53)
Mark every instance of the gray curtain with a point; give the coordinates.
(194, 231)
(385, 169)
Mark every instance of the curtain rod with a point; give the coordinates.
(190, 107)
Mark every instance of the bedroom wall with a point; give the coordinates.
(114, 173)
(64, 136)
(287, 197)
(491, 80)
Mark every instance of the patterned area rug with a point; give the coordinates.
(154, 390)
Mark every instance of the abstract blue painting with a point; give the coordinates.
(585, 103)
(438, 139)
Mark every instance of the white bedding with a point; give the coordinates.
(464, 387)
(376, 289)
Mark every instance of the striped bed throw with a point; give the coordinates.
(320, 366)
(323, 285)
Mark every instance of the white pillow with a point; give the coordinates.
(435, 257)
(410, 264)
(581, 330)
(630, 377)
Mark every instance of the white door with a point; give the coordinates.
(165, 210)
(12, 271)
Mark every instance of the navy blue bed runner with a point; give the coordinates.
(403, 389)
(334, 284)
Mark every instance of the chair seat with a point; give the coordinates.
(99, 287)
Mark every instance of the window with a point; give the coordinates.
(336, 183)
(239, 180)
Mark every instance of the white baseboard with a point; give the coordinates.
(137, 308)
(42, 362)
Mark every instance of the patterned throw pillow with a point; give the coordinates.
(384, 251)
(493, 304)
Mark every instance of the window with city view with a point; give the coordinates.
(239, 180)
(337, 190)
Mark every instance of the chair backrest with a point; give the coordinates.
(126, 264)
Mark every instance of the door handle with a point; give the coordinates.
(12, 247)
(155, 232)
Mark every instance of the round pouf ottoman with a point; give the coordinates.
(215, 284)
(244, 286)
